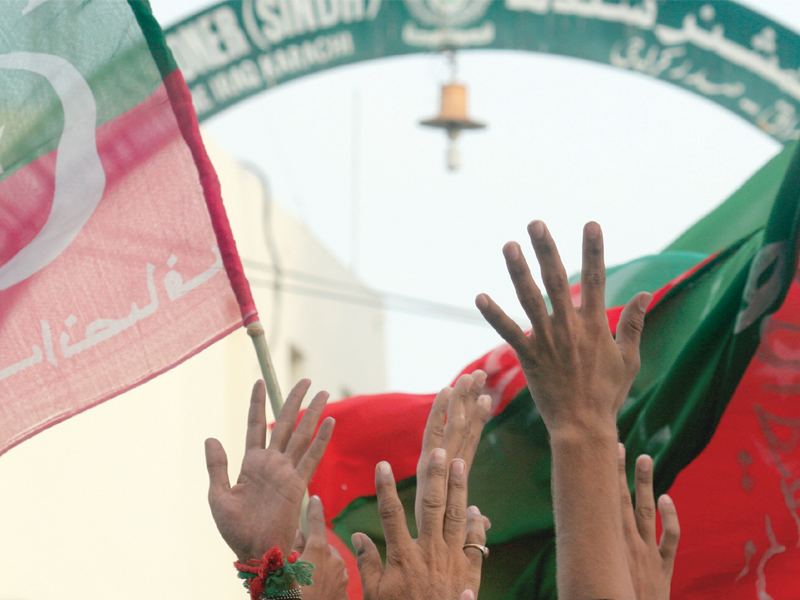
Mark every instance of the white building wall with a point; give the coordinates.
(112, 503)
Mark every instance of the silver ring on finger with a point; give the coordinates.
(484, 550)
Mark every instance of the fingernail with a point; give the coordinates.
(621, 449)
(592, 230)
(468, 381)
(468, 595)
(645, 301)
(317, 498)
(666, 499)
(384, 467)
(485, 402)
(645, 463)
(481, 301)
(358, 543)
(439, 456)
(459, 466)
(474, 510)
(512, 251)
(537, 229)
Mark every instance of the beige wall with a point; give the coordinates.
(111, 503)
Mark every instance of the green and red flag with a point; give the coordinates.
(116, 258)
(717, 404)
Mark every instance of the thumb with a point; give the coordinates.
(299, 543)
(369, 565)
(629, 329)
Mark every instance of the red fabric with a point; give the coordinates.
(369, 429)
(350, 563)
(181, 99)
(99, 318)
(739, 500)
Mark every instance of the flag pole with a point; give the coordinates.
(256, 333)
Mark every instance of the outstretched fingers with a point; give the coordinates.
(302, 436)
(455, 521)
(392, 514)
(480, 417)
(629, 329)
(457, 428)
(645, 504)
(308, 463)
(316, 522)
(369, 565)
(434, 497)
(554, 276)
(502, 323)
(256, 437)
(671, 533)
(593, 273)
(528, 293)
(287, 419)
(434, 428)
(476, 534)
(217, 465)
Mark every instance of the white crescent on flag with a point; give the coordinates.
(79, 178)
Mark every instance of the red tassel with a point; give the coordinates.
(256, 588)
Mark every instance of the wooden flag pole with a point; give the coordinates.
(256, 333)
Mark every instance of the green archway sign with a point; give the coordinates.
(731, 55)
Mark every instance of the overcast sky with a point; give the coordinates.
(567, 141)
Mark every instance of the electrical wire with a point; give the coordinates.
(308, 284)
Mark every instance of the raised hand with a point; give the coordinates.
(438, 565)
(578, 374)
(650, 562)
(330, 574)
(466, 412)
(263, 508)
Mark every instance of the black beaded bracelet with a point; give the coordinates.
(287, 595)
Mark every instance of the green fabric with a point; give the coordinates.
(696, 344)
(101, 39)
(154, 35)
(740, 215)
(648, 273)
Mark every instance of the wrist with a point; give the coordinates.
(596, 434)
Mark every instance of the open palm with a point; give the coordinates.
(263, 508)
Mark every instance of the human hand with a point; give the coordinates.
(578, 374)
(435, 566)
(467, 413)
(263, 508)
(650, 564)
(330, 574)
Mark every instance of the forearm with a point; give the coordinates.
(590, 547)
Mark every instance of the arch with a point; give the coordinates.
(731, 55)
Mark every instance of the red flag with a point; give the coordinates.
(116, 258)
